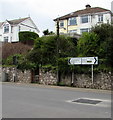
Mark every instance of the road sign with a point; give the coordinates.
(75, 61)
(83, 61)
(89, 60)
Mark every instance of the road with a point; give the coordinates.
(38, 101)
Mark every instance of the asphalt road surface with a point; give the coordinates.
(36, 101)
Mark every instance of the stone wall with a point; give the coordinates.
(47, 78)
(15, 75)
(101, 80)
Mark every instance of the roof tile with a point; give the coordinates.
(17, 21)
(84, 11)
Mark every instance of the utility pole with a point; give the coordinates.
(58, 80)
(58, 27)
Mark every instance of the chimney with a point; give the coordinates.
(88, 6)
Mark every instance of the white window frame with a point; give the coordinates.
(84, 17)
(61, 24)
(6, 38)
(6, 28)
(100, 18)
(72, 19)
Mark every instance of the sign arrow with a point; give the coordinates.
(96, 60)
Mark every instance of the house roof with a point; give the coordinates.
(17, 21)
(84, 11)
(14, 22)
(1, 23)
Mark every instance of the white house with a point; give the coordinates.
(83, 20)
(10, 28)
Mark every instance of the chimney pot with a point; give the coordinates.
(88, 6)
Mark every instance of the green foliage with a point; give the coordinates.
(61, 83)
(99, 42)
(88, 45)
(105, 52)
(52, 51)
(9, 60)
(22, 62)
(25, 64)
(46, 32)
(27, 37)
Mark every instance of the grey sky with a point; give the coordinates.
(44, 11)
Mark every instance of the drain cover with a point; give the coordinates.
(87, 101)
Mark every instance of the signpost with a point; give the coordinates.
(84, 61)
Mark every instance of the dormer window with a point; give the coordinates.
(6, 28)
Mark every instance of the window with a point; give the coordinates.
(100, 18)
(72, 31)
(72, 21)
(6, 28)
(61, 23)
(84, 30)
(6, 39)
(84, 19)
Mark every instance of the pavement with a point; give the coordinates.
(42, 101)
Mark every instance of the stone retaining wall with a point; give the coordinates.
(15, 75)
(47, 78)
(101, 80)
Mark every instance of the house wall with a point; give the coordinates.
(0, 34)
(64, 29)
(26, 25)
(14, 34)
(93, 20)
(5, 34)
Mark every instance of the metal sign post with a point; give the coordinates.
(92, 73)
(84, 61)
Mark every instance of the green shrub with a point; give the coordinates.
(27, 37)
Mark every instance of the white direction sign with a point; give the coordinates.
(75, 61)
(83, 61)
(89, 60)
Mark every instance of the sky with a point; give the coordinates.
(42, 12)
